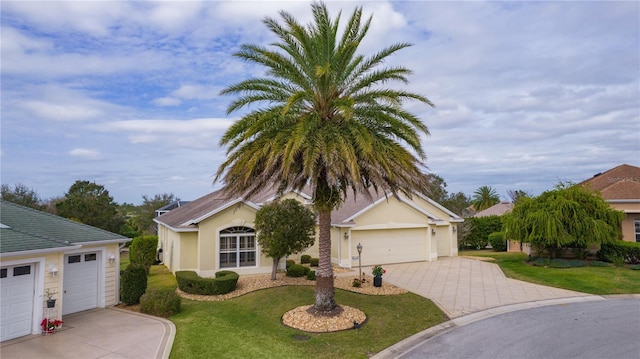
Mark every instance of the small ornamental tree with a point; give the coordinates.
(284, 227)
(566, 217)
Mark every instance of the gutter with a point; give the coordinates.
(39, 251)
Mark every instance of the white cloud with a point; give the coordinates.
(85, 154)
(167, 101)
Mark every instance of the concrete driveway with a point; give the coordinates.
(100, 333)
(461, 286)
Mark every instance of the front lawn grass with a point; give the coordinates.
(593, 280)
(249, 326)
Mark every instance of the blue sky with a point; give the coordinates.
(126, 94)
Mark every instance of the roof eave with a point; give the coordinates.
(39, 251)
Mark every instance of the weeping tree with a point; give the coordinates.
(566, 217)
(323, 118)
(284, 227)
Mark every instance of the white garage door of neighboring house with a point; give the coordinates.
(80, 282)
(17, 284)
(390, 246)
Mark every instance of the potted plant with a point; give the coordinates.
(377, 272)
(49, 293)
(50, 325)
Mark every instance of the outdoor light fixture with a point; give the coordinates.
(433, 231)
(455, 228)
(359, 248)
(346, 235)
(112, 257)
(53, 270)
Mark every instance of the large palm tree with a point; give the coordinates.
(484, 197)
(324, 120)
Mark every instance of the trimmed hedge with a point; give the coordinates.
(314, 262)
(311, 275)
(143, 251)
(133, 283)
(629, 252)
(497, 241)
(289, 263)
(225, 281)
(297, 270)
(305, 258)
(481, 228)
(163, 302)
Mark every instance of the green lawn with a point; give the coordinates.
(249, 326)
(593, 280)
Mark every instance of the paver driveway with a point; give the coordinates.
(460, 286)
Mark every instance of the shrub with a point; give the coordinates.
(143, 251)
(497, 241)
(314, 262)
(311, 275)
(305, 258)
(297, 270)
(163, 302)
(481, 227)
(356, 283)
(627, 252)
(224, 282)
(289, 263)
(133, 283)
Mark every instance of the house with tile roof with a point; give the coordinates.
(620, 187)
(217, 232)
(42, 252)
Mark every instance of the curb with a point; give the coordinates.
(404, 346)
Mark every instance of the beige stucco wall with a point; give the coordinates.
(632, 210)
(388, 213)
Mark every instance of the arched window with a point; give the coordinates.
(237, 247)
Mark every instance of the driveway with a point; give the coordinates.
(99, 333)
(461, 286)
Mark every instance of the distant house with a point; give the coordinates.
(40, 251)
(217, 232)
(500, 209)
(620, 186)
(171, 206)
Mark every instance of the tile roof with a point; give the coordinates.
(496, 210)
(186, 217)
(25, 229)
(619, 183)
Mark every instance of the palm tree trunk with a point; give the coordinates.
(325, 292)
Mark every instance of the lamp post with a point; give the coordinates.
(359, 248)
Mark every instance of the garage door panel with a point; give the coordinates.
(391, 246)
(16, 298)
(80, 283)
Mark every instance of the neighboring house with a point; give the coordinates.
(500, 209)
(171, 206)
(40, 251)
(620, 186)
(217, 232)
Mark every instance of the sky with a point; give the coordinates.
(127, 94)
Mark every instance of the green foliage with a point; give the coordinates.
(285, 227)
(22, 195)
(143, 250)
(305, 258)
(480, 228)
(130, 228)
(224, 282)
(311, 275)
(91, 204)
(497, 241)
(566, 217)
(147, 210)
(133, 283)
(626, 252)
(314, 262)
(356, 283)
(289, 263)
(297, 270)
(160, 302)
(484, 197)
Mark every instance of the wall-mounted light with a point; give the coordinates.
(455, 228)
(53, 270)
(433, 231)
(346, 235)
(112, 257)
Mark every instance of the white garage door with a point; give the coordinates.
(390, 246)
(17, 283)
(80, 282)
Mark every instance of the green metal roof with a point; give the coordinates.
(25, 229)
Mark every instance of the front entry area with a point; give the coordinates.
(16, 301)
(80, 282)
